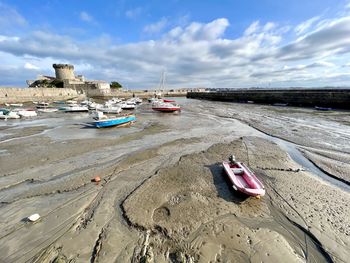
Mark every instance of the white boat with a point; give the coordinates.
(71, 102)
(27, 113)
(110, 109)
(136, 100)
(9, 115)
(76, 108)
(152, 100)
(14, 104)
(114, 100)
(48, 110)
(94, 106)
(41, 105)
(127, 105)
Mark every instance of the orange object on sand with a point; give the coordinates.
(96, 179)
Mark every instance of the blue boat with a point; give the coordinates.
(114, 121)
(322, 108)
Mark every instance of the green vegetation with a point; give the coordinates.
(116, 85)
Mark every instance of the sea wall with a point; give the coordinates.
(334, 98)
(137, 93)
(36, 94)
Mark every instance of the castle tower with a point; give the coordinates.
(64, 71)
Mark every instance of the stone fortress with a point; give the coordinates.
(65, 78)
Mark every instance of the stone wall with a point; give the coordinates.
(139, 93)
(334, 98)
(36, 94)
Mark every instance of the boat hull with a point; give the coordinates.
(114, 122)
(167, 109)
(245, 182)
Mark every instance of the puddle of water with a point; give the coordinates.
(299, 158)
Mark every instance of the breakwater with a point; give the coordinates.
(35, 94)
(334, 98)
(11, 95)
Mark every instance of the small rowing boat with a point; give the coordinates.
(103, 121)
(242, 178)
(322, 108)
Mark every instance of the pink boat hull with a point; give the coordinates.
(166, 109)
(246, 182)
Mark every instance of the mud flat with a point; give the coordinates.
(192, 212)
(163, 196)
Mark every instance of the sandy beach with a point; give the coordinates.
(164, 196)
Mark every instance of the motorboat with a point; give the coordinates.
(242, 178)
(14, 104)
(75, 108)
(136, 100)
(114, 100)
(26, 113)
(9, 115)
(127, 105)
(42, 105)
(103, 121)
(110, 109)
(165, 107)
(48, 110)
(71, 102)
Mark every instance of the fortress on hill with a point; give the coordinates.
(65, 78)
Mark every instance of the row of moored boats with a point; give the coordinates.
(100, 111)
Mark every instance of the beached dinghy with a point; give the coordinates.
(102, 121)
(243, 179)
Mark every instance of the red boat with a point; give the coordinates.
(165, 107)
(165, 100)
(243, 179)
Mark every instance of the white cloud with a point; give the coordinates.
(156, 27)
(133, 13)
(304, 26)
(194, 54)
(28, 65)
(86, 17)
(252, 28)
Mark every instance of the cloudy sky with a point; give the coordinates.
(197, 43)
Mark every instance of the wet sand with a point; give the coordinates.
(163, 195)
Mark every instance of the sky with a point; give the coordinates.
(208, 43)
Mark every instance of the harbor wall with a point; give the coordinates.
(333, 98)
(139, 94)
(12, 95)
(8, 95)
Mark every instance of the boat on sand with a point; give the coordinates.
(48, 110)
(76, 108)
(102, 121)
(26, 113)
(9, 115)
(165, 107)
(242, 178)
